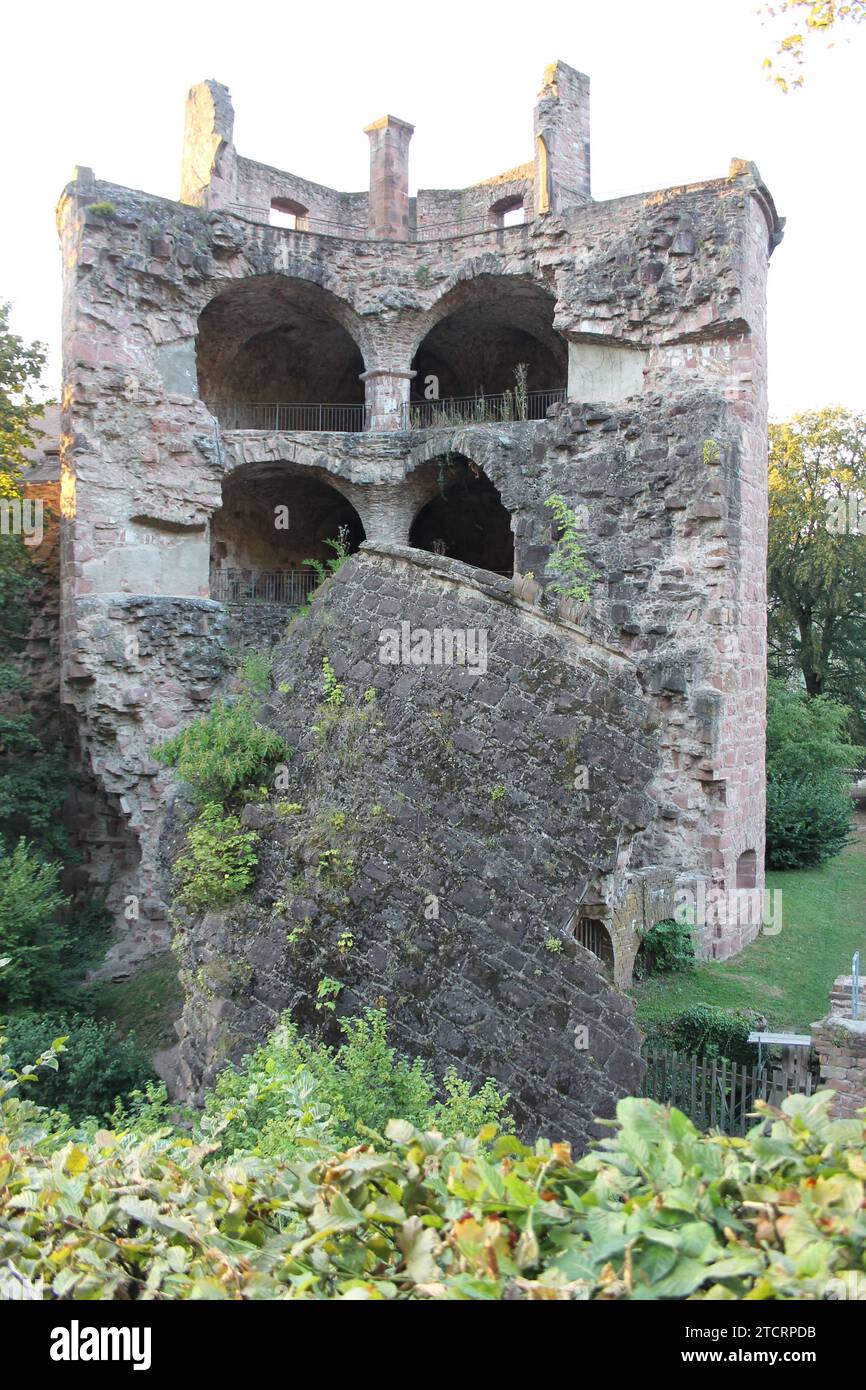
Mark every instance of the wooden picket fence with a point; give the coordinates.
(717, 1093)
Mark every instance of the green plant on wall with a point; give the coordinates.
(223, 752)
(218, 862)
(572, 573)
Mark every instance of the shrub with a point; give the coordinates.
(572, 572)
(31, 934)
(223, 752)
(292, 1090)
(807, 821)
(666, 947)
(806, 735)
(655, 1211)
(98, 1065)
(254, 673)
(709, 1031)
(219, 859)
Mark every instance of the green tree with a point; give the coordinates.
(810, 19)
(21, 367)
(817, 554)
(31, 933)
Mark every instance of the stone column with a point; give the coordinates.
(387, 391)
(389, 178)
(840, 1042)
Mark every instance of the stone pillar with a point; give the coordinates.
(389, 178)
(388, 510)
(208, 170)
(562, 139)
(387, 392)
(840, 1042)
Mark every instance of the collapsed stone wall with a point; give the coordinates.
(429, 844)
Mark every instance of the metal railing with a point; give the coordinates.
(291, 416)
(505, 408)
(289, 587)
(324, 226)
(462, 226)
(321, 226)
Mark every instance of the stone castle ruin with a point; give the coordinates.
(420, 375)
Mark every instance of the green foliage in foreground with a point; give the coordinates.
(223, 752)
(656, 1211)
(293, 1092)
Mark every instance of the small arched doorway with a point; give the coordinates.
(466, 520)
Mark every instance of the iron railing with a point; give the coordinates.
(292, 416)
(461, 226)
(291, 588)
(321, 226)
(324, 226)
(502, 409)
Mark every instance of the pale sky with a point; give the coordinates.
(677, 90)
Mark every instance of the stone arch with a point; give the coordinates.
(275, 517)
(481, 327)
(268, 339)
(466, 518)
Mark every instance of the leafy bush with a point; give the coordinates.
(98, 1066)
(292, 1092)
(219, 859)
(809, 812)
(656, 1211)
(807, 821)
(666, 947)
(31, 934)
(223, 752)
(806, 735)
(709, 1031)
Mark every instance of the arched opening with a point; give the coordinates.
(508, 212)
(466, 520)
(747, 869)
(274, 519)
(278, 354)
(492, 356)
(594, 936)
(285, 212)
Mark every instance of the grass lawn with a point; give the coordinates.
(787, 977)
(146, 1005)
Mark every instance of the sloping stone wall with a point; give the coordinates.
(429, 859)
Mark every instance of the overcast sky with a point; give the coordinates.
(677, 90)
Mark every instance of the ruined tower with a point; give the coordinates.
(351, 356)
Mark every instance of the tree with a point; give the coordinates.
(817, 555)
(813, 17)
(21, 368)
